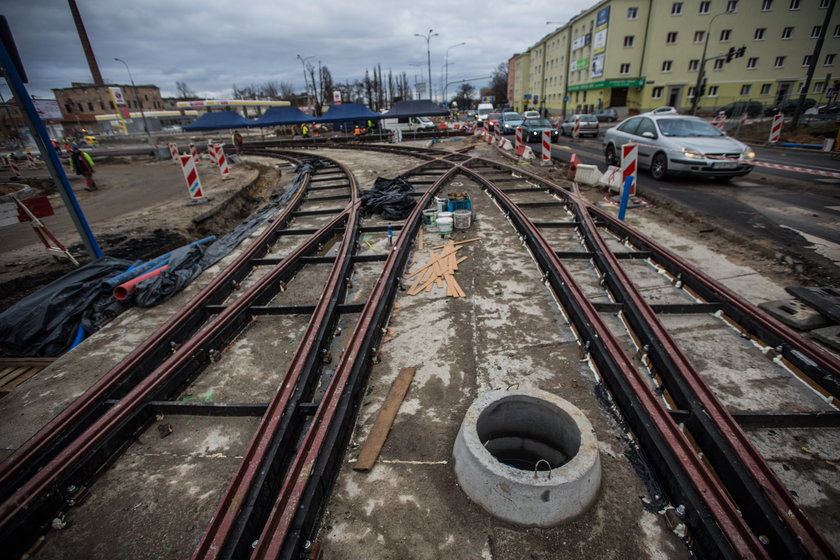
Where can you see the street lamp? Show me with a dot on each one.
(305, 81)
(137, 99)
(447, 68)
(701, 73)
(428, 36)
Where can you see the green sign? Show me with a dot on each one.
(580, 64)
(629, 82)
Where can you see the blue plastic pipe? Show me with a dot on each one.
(80, 336)
(134, 271)
(625, 197)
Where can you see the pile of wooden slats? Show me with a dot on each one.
(439, 269)
(14, 371)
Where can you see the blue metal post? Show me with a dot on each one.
(39, 133)
(625, 197)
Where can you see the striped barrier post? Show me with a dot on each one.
(518, 137)
(223, 166)
(776, 128)
(211, 151)
(629, 159)
(497, 133)
(173, 151)
(33, 163)
(576, 129)
(546, 147)
(15, 168)
(4, 162)
(191, 176)
(193, 152)
(719, 121)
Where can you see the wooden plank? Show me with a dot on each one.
(25, 362)
(21, 379)
(384, 420)
(10, 375)
(458, 242)
(431, 262)
(420, 241)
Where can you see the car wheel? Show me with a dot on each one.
(659, 167)
(610, 155)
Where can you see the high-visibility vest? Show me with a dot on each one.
(357, 131)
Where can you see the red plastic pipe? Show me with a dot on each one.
(122, 291)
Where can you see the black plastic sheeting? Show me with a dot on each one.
(390, 198)
(45, 323)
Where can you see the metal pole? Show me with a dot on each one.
(428, 38)
(39, 133)
(446, 81)
(137, 98)
(701, 73)
(814, 60)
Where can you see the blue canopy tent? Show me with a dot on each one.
(277, 116)
(219, 120)
(423, 108)
(344, 116)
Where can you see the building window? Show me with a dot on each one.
(837, 30)
(90, 106)
(693, 65)
(699, 36)
(780, 62)
(829, 60)
(672, 38)
(676, 8)
(819, 87)
(824, 4)
(632, 13)
(801, 88)
(787, 32)
(732, 6)
(766, 5)
(713, 91)
(704, 7)
(68, 108)
(759, 33)
(666, 65)
(624, 68)
(807, 60)
(752, 63)
(656, 93)
(628, 40)
(745, 89)
(81, 109)
(815, 31)
(101, 105)
(725, 35)
(794, 4)
(690, 93)
(719, 64)
(765, 89)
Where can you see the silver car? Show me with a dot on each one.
(671, 143)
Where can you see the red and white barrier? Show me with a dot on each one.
(518, 137)
(719, 121)
(505, 144)
(211, 151)
(497, 133)
(776, 128)
(629, 164)
(15, 168)
(193, 152)
(576, 129)
(546, 147)
(191, 176)
(525, 152)
(4, 162)
(173, 151)
(222, 161)
(33, 163)
(574, 161)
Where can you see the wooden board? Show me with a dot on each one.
(384, 420)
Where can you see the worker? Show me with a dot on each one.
(370, 126)
(238, 141)
(304, 130)
(82, 164)
(357, 131)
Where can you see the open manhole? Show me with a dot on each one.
(527, 457)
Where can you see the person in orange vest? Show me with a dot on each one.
(82, 164)
(357, 131)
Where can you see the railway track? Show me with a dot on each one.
(304, 275)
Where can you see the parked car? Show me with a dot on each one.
(751, 108)
(788, 107)
(531, 115)
(492, 119)
(532, 130)
(667, 109)
(408, 124)
(679, 144)
(606, 115)
(588, 125)
(509, 121)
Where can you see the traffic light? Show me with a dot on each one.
(702, 89)
(740, 52)
(730, 55)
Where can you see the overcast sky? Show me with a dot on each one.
(213, 44)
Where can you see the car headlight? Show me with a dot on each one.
(748, 153)
(691, 153)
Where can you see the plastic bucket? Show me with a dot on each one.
(462, 219)
(444, 225)
(429, 217)
(444, 215)
(441, 203)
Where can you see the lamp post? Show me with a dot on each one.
(305, 81)
(447, 69)
(428, 36)
(701, 73)
(137, 100)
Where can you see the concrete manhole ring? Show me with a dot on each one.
(527, 457)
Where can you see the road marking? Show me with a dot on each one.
(835, 208)
(562, 147)
(822, 246)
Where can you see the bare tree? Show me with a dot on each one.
(184, 91)
(464, 96)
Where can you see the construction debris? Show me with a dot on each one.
(440, 268)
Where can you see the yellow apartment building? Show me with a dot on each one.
(635, 55)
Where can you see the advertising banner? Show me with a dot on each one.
(599, 39)
(116, 93)
(597, 68)
(47, 108)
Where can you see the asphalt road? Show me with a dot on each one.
(797, 211)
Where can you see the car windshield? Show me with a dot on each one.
(513, 117)
(584, 118)
(494, 116)
(533, 123)
(484, 111)
(686, 127)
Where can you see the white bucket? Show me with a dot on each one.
(444, 225)
(441, 204)
(429, 217)
(462, 219)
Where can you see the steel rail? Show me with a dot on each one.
(31, 506)
(239, 515)
(311, 474)
(716, 524)
(68, 423)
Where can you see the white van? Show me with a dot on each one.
(483, 110)
(408, 124)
